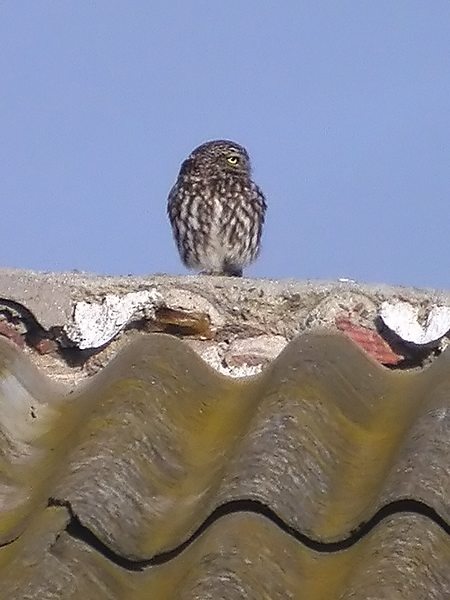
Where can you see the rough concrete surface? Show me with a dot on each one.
(237, 325)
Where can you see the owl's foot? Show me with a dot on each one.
(227, 272)
(233, 272)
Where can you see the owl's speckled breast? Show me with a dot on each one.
(216, 210)
(220, 248)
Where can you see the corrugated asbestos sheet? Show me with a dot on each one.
(326, 477)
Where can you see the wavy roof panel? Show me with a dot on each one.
(326, 476)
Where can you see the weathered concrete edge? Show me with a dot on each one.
(50, 297)
(251, 320)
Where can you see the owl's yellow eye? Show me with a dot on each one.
(233, 160)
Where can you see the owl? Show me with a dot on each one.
(216, 210)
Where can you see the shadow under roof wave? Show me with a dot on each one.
(240, 556)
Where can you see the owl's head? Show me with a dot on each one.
(218, 158)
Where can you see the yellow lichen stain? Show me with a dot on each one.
(367, 453)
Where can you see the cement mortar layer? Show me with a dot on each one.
(248, 311)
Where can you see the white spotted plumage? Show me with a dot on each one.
(216, 210)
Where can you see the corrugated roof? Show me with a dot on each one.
(324, 477)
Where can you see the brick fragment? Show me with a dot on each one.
(46, 346)
(10, 332)
(369, 340)
(254, 351)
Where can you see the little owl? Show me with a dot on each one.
(216, 210)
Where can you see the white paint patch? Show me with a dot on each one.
(403, 319)
(96, 323)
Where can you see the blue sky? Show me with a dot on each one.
(343, 106)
